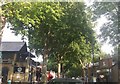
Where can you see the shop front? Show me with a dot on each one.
(15, 62)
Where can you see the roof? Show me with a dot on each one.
(26, 54)
(11, 46)
(22, 56)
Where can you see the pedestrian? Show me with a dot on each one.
(9, 81)
(49, 76)
(38, 74)
(98, 79)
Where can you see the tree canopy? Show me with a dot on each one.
(62, 30)
(110, 30)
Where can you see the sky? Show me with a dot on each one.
(105, 47)
(9, 36)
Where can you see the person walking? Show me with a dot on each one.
(49, 77)
(9, 81)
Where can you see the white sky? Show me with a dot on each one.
(9, 36)
(106, 47)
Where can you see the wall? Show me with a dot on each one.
(115, 73)
(23, 77)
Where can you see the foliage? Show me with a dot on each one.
(61, 30)
(74, 71)
(110, 30)
(38, 21)
(78, 37)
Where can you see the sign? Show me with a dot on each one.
(106, 63)
(19, 69)
(94, 79)
(5, 61)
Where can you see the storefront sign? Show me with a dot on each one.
(19, 69)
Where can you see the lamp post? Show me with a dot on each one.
(118, 45)
(30, 67)
(93, 71)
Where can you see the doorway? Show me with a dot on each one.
(5, 74)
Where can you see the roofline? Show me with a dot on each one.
(9, 51)
(24, 43)
(23, 46)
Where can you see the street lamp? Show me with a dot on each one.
(93, 71)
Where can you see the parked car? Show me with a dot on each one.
(65, 81)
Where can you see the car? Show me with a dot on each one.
(65, 81)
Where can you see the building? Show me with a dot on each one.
(103, 69)
(115, 73)
(15, 61)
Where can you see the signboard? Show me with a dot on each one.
(19, 69)
(106, 63)
(4, 61)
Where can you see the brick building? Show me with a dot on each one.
(106, 69)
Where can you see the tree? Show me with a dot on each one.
(60, 29)
(110, 30)
(37, 21)
(77, 36)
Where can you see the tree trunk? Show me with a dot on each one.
(83, 72)
(44, 67)
(83, 67)
(59, 69)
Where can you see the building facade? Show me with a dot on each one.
(105, 69)
(15, 61)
